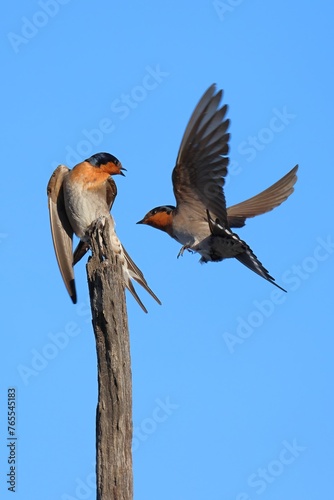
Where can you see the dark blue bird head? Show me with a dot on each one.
(106, 161)
(160, 218)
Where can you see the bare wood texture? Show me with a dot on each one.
(114, 409)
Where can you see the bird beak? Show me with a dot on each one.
(141, 222)
(121, 173)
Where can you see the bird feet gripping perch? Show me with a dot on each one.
(97, 228)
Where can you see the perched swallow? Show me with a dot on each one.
(76, 199)
(200, 221)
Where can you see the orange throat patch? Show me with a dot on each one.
(90, 177)
(162, 221)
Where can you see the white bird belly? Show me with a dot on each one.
(83, 207)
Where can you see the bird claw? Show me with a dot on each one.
(97, 227)
(97, 224)
(181, 252)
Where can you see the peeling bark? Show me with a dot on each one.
(114, 408)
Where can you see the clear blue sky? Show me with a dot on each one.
(232, 384)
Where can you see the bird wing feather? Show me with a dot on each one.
(61, 230)
(137, 275)
(201, 166)
(263, 202)
(247, 257)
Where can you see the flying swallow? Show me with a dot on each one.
(200, 221)
(76, 199)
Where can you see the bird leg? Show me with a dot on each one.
(185, 247)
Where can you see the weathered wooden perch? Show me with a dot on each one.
(114, 408)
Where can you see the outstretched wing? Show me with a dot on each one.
(264, 201)
(61, 230)
(201, 164)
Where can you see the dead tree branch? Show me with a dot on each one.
(114, 408)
